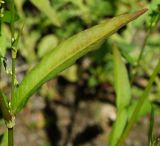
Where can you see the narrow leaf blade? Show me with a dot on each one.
(45, 7)
(118, 127)
(122, 85)
(151, 128)
(4, 141)
(65, 55)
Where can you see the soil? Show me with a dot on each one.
(79, 119)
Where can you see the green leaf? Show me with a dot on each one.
(145, 109)
(122, 85)
(65, 55)
(139, 105)
(46, 42)
(71, 73)
(118, 127)
(123, 96)
(5, 139)
(19, 6)
(151, 128)
(2, 45)
(4, 107)
(45, 7)
(7, 17)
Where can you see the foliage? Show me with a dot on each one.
(53, 32)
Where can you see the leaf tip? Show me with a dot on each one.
(140, 12)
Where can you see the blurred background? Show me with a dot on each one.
(77, 108)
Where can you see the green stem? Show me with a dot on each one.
(141, 53)
(153, 20)
(10, 137)
(0, 26)
(139, 105)
(13, 49)
(12, 19)
(10, 130)
(0, 69)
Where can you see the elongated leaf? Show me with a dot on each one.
(118, 127)
(2, 45)
(46, 42)
(4, 141)
(65, 55)
(45, 7)
(123, 96)
(145, 109)
(151, 128)
(122, 85)
(139, 105)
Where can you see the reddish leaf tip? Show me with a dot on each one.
(140, 12)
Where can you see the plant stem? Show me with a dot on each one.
(10, 137)
(12, 20)
(141, 53)
(153, 20)
(13, 77)
(10, 130)
(0, 24)
(0, 70)
(12, 43)
(13, 49)
(139, 105)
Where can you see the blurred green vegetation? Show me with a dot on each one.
(47, 23)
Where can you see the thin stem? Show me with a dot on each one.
(139, 105)
(0, 26)
(141, 53)
(143, 47)
(153, 20)
(13, 77)
(0, 69)
(10, 130)
(10, 137)
(12, 19)
(13, 49)
(12, 43)
(1, 15)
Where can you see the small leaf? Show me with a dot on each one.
(5, 139)
(4, 107)
(7, 17)
(151, 128)
(65, 55)
(71, 73)
(45, 45)
(19, 6)
(45, 7)
(118, 127)
(145, 109)
(122, 85)
(2, 45)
